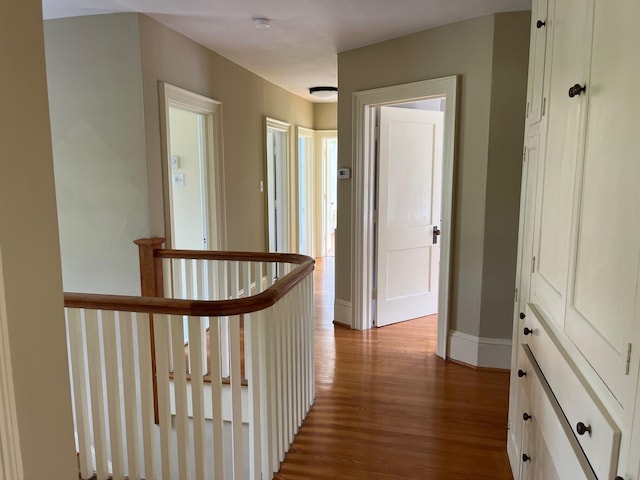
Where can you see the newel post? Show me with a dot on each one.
(151, 285)
(151, 280)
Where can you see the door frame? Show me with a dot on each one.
(288, 207)
(363, 227)
(172, 96)
(309, 134)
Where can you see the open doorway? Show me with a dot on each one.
(366, 176)
(306, 191)
(193, 170)
(326, 175)
(278, 186)
(407, 220)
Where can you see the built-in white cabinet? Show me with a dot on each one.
(537, 51)
(577, 309)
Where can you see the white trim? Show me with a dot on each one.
(10, 455)
(479, 351)
(362, 234)
(310, 188)
(342, 312)
(172, 96)
(321, 181)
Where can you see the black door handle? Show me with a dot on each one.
(436, 233)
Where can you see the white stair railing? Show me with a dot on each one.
(233, 362)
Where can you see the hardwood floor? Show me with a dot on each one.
(387, 408)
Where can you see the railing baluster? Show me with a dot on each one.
(161, 331)
(97, 392)
(197, 396)
(253, 369)
(143, 337)
(224, 321)
(288, 375)
(216, 397)
(236, 398)
(113, 394)
(280, 397)
(130, 397)
(272, 386)
(80, 394)
(180, 393)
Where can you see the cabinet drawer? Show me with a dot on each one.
(555, 452)
(577, 401)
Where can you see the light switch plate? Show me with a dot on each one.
(177, 179)
(175, 161)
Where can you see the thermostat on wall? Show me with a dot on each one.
(344, 173)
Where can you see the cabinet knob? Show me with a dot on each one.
(522, 316)
(521, 373)
(527, 331)
(540, 24)
(618, 478)
(526, 416)
(525, 457)
(581, 428)
(576, 90)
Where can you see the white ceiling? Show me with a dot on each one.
(300, 49)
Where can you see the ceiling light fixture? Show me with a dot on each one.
(261, 23)
(323, 92)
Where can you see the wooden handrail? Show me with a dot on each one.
(202, 308)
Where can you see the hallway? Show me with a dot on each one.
(387, 408)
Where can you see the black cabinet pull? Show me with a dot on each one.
(522, 316)
(525, 457)
(526, 416)
(619, 478)
(527, 331)
(540, 24)
(577, 89)
(581, 428)
(521, 373)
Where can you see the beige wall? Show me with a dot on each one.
(506, 133)
(31, 303)
(97, 126)
(325, 116)
(465, 49)
(246, 99)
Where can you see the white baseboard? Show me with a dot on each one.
(480, 352)
(342, 312)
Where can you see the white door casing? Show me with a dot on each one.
(213, 178)
(362, 235)
(278, 170)
(306, 191)
(409, 197)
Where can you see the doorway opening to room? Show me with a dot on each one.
(403, 183)
(279, 232)
(193, 170)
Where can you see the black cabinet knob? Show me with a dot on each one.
(576, 90)
(527, 331)
(618, 478)
(521, 373)
(525, 457)
(522, 316)
(526, 416)
(540, 24)
(581, 428)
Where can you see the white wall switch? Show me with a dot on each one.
(175, 161)
(177, 179)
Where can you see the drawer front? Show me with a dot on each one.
(555, 452)
(600, 438)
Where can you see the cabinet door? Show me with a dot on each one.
(558, 171)
(604, 302)
(537, 51)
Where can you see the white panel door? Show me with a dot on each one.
(604, 298)
(409, 196)
(558, 170)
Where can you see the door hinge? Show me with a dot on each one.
(375, 216)
(544, 106)
(628, 364)
(516, 296)
(376, 133)
(524, 155)
(527, 114)
(374, 294)
(533, 264)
